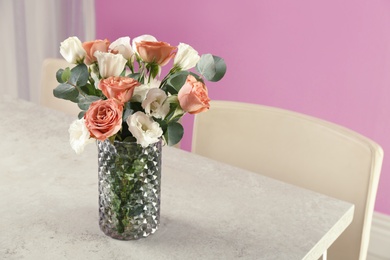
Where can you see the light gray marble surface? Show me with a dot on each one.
(49, 203)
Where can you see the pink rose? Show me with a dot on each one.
(155, 52)
(193, 96)
(104, 118)
(91, 47)
(119, 88)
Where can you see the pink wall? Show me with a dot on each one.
(329, 58)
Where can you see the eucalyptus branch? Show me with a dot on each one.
(78, 89)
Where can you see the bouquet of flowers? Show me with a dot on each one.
(121, 94)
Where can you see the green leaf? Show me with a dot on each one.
(85, 101)
(175, 111)
(124, 132)
(177, 80)
(135, 76)
(59, 76)
(174, 133)
(79, 75)
(220, 67)
(90, 89)
(66, 74)
(213, 68)
(66, 91)
(154, 70)
(136, 106)
(169, 89)
(127, 111)
(129, 139)
(63, 75)
(163, 124)
(81, 114)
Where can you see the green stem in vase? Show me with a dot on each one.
(129, 188)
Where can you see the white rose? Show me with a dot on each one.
(154, 103)
(144, 129)
(145, 37)
(140, 92)
(79, 135)
(72, 50)
(110, 64)
(122, 46)
(186, 57)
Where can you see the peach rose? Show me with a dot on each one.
(92, 46)
(119, 88)
(155, 52)
(193, 96)
(104, 118)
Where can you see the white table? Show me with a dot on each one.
(49, 203)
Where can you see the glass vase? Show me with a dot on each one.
(129, 189)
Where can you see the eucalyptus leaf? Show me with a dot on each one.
(163, 124)
(79, 75)
(66, 91)
(174, 133)
(213, 68)
(85, 101)
(81, 114)
(169, 89)
(177, 80)
(90, 89)
(205, 61)
(220, 69)
(127, 112)
(63, 75)
(59, 76)
(66, 75)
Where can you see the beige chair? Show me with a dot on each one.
(49, 82)
(301, 150)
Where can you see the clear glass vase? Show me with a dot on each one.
(129, 189)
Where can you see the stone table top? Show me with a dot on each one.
(209, 210)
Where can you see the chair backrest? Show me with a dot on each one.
(49, 82)
(301, 150)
